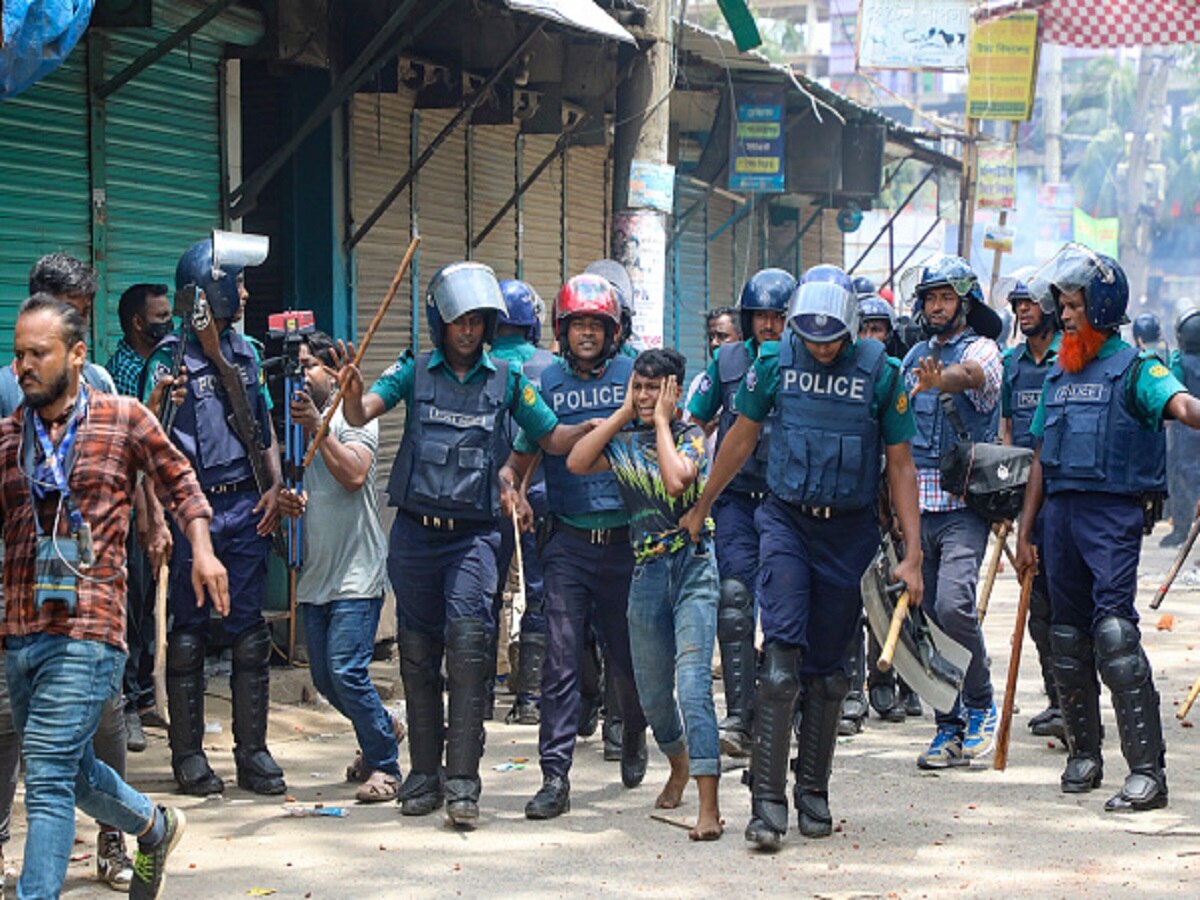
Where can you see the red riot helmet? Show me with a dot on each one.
(588, 295)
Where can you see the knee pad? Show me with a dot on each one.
(1123, 663)
(252, 648)
(779, 679)
(735, 614)
(829, 688)
(420, 655)
(469, 648)
(185, 653)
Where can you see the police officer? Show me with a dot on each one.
(958, 359)
(628, 344)
(442, 552)
(1025, 368)
(761, 309)
(586, 555)
(819, 530)
(1147, 335)
(1100, 463)
(243, 522)
(518, 331)
(1183, 447)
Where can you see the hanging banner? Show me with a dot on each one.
(999, 238)
(1055, 218)
(756, 145)
(640, 245)
(996, 184)
(921, 35)
(1003, 67)
(1100, 235)
(651, 186)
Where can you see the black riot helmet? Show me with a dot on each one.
(1187, 331)
(1147, 329)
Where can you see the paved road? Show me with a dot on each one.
(903, 833)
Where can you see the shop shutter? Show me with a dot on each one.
(586, 207)
(493, 179)
(442, 199)
(689, 281)
(43, 180)
(380, 129)
(823, 242)
(164, 157)
(721, 290)
(542, 218)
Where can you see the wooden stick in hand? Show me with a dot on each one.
(1004, 730)
(362, 348)
(1191, 698)
(899, 614)
(1180, 558)
(160, 641)
(993, 567)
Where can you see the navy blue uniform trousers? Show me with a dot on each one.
(737, 538)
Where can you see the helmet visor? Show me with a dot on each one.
(823, 311)
(1071, 269)
(465, 287)
(936, 271)
(1014, 287)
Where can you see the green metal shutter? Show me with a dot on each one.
(43, 181)
(163, 159)
(689, 280)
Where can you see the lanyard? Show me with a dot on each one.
(56, 460)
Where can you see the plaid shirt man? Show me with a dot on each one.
(126, 366)
(118, 436)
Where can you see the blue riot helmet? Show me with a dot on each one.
(864, 286)
(1014, 289)
(769, 289)
(1147, 329)
(617, 276)
(1099, 278)
(873, 308)
(824, 307)
(1187, 331)
(214, 264)
(956, 273)
(524, 308)
(459, 288)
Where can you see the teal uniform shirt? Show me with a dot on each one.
(756, 396)
(514, 349)
(1012, 356)
(706, 401)
(1154, 387)
(163, 359)
(1176, 365)
(520, 397)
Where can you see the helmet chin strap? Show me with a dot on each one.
(1045, 326)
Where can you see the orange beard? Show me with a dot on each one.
(1080, 348)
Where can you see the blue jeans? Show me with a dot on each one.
(341, 640)
(59, 686)
(672, 625)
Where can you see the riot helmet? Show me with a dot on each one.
(864, 286)
(1014, 289)
(767, 289)
(956, 273)
(214, 264)
(523, 308)
(1147, 329)
(1187, 331)
(873, 308)
(1099, 278)
(588, 295)
(618, 277)
(824, 307)
(459, 288)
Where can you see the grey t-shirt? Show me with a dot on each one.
(345, 554)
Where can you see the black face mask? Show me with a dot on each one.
(156, 331)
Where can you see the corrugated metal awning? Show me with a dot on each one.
(583, 15)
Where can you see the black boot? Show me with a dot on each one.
(591, 690)
(735, 638)
(1126, 671)
(776, 697)
(909, 701)
(489, 697)
(250, 682)
(854, 707)
(467, 658)
(185, 701)
(823, 704)
(552, 800)
(613, 729)
(1048, 722)
(421, 672)
(1079, 700)
(529, 679)
(881, 687)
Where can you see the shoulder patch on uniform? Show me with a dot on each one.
(1158, 370)
(704, 385)
(902, 402)
(751, 378)
(528, 395)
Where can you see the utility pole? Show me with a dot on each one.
(1052, 111)
(1134, 237)
(639, 238)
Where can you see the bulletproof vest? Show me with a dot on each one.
(454, 444)
(202, 428)
(573, 400)
(827, 443)
(532, 369)
(733, 361)
(934, 434)
(1092, 441)
(1024, 379)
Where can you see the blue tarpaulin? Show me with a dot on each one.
(38, 36)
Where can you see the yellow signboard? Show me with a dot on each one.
(1003, 68)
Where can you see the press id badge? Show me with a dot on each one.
(53, 577)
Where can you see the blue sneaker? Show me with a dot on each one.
(945, 751)
(980, 739)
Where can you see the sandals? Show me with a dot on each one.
(378, 788)
(357, 770)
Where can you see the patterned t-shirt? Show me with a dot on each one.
(654, 514)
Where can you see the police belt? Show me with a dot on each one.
(755, 496)
(233, 487)
(602, 537)
(828, 512)
(445, 523)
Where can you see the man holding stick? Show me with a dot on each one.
(1100, 466)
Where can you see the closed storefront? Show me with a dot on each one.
(689, 276)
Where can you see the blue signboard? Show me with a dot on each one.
(756, 145)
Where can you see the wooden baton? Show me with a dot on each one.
(362, 348)
(899, 614)
(1004, 730)
(160, 641)
(993, 567)
(1191, 698)
(1180, 558)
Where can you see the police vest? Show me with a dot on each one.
(201, 428)
(573, 400)
(454, 444)
(934, 434)
(732, 364)
(532, 369)
(1092, 441)
(1024, 379)
(827, 445)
